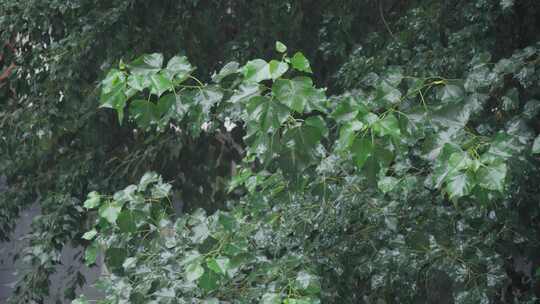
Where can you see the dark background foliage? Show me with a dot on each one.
(57, 145)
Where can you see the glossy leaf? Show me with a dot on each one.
(256, 71)
(92, 201)
(277, 69)
(160, 84)
(90, 254)
(146, 64)
(536, 145)
(298, 94)
(143, 112)
(219, 265)
(228, 69)
(245, 92)
(270, 298)
(388, 125)
(193, 272)
(280, 47)
(179, 67)
(89, 235)
(268, 114)
(492, 177)
(110, 211)
(300, 63)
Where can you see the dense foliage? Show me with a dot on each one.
(412, 179)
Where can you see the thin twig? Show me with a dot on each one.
(384, 21)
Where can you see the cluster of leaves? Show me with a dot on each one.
(402, 164)
(158, 95)
(152, 258)
(407, 187)
(53, 139)
(495, 66)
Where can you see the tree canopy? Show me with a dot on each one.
(289, 152)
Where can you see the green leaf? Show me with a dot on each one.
(245, 92)
(347, 135)
(458, 185)
(492, 177)
(90, 254)
(227, 221)
(369, 118)
(263, 145)
(92, 200)
(113, 93)
(165, 105)
(280, 47)
(506, 4)
(510, 100)
(146, 64)
(193, 272)
(127, 194)
(143, 112)
(454, 115)
(228, 69)
(442, 167)
(114, 258)
(458, 161)
(209, 281)
(503, 146)
(219, 265)
(298, 93)
(81, 300)
(318, 123)
(393, 75)
(191, 257)
(300, 63)
(415, 86)
(386, 94)
(299, 147)
(362, 149)
(110, 211)
(112, 81)
(208, 96)
(89, 235)
(115, 100)
(303, 300)
(271, 298)
(387, 183)
(179, 67)
(536, 145)
(345, 111)
(126, 221)
(452, 93)
(147, 179)
(200, 233)
(138, 82)
(161, 190)
(389, 125)
(129, 263)
(277, 68)
(256, 71)
(160, 84)
(531, 109)
(268, 114)
(450, 166)
(308, 283)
